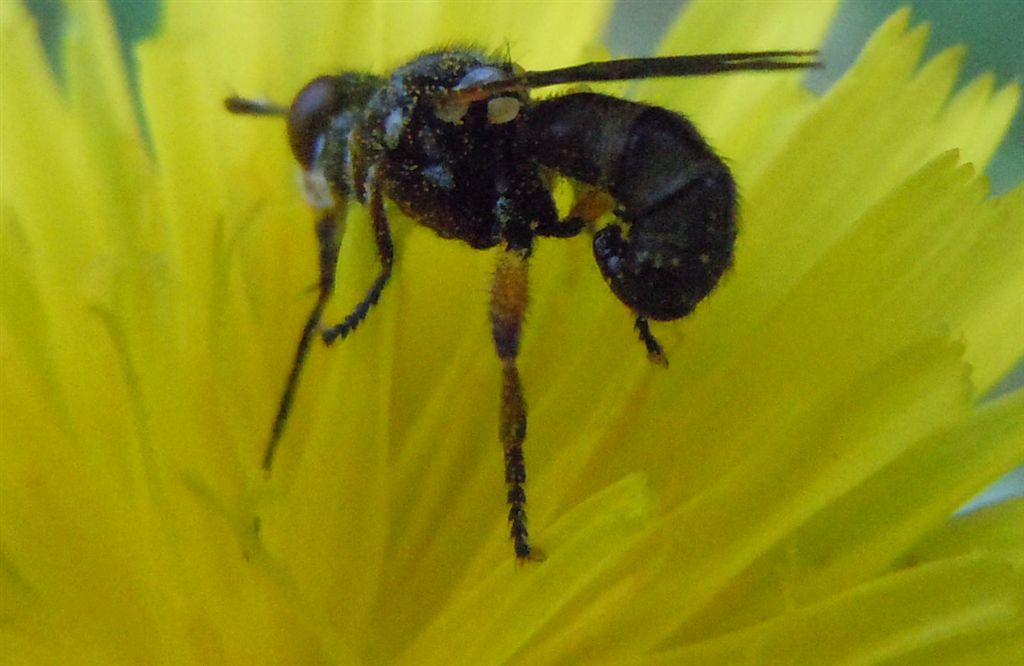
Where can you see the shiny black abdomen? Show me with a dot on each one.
(676, 229)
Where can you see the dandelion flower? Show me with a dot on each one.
(782, 494)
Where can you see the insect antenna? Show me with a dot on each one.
(253, 107)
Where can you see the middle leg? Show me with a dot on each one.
(508, 306)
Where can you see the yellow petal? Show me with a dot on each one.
(962, 610)
(995, 530)
(788, 478)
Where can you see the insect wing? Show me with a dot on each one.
(645, 68)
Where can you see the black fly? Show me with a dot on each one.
(454, 139)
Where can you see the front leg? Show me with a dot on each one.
(328, 232)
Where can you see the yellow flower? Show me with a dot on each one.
(782, 494)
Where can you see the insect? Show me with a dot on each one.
(454, 139)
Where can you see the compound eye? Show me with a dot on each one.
(310, 115)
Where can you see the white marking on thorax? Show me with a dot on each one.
(317, 189)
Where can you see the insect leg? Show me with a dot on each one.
(654, 351)
(508, 305)
(328, 231)
(590, 205)
(567, 228)
(386, 252)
